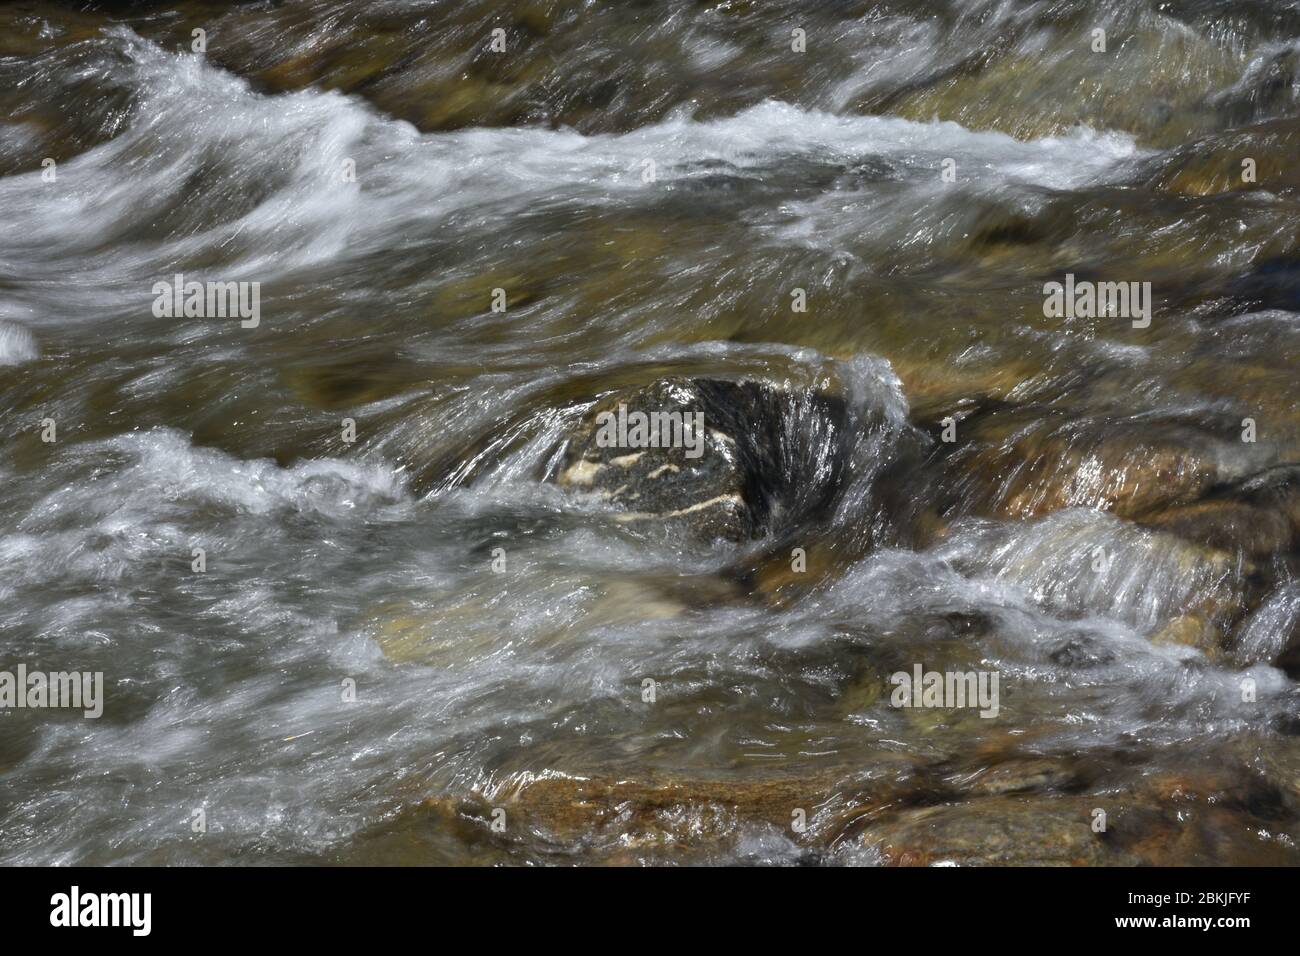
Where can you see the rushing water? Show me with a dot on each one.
(1100, 535)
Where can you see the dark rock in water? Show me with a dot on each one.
(1265, 90)
(1081, 649)
(722, 460)
(1289, 659)
(1272, 284)
(1276, 489)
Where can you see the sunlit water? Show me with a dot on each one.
(332, 565)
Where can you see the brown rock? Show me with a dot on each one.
(999, 831)
(679, 813)
(1022, 462)
(1213, 164)
(1191, 630)
(1227, 524)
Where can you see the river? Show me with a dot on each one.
(345, 613)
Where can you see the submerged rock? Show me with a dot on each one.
(76, 109)
(1021, 462)
(697, 479)
(1218, 163)
(718, 459)
(570, 810)
(1006, 831)
(682, 817)
(1017, 775)
(1190, 630)
(1169, 822)
(1049, 82)
(1229, 525)
(1272, 632)
(1085, 562)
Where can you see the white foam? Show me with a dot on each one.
(272, 197)
(1270, 626)
(1085, 561)
(134, 511)
(17, 345)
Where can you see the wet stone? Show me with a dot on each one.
(1000, 831)
(721, 460)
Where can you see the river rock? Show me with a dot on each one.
(1276, 489)
(1020, 775)
(684, 818)
(1082, 562)
(1022, 462)
(1227, 524)
(998, 831)
(1272, 632)
(1191, 630)
(742, 458)
(1214, 164)
(1047, 88)
(1167, 824)
(76, 111)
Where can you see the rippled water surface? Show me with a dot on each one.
(1100, 533)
